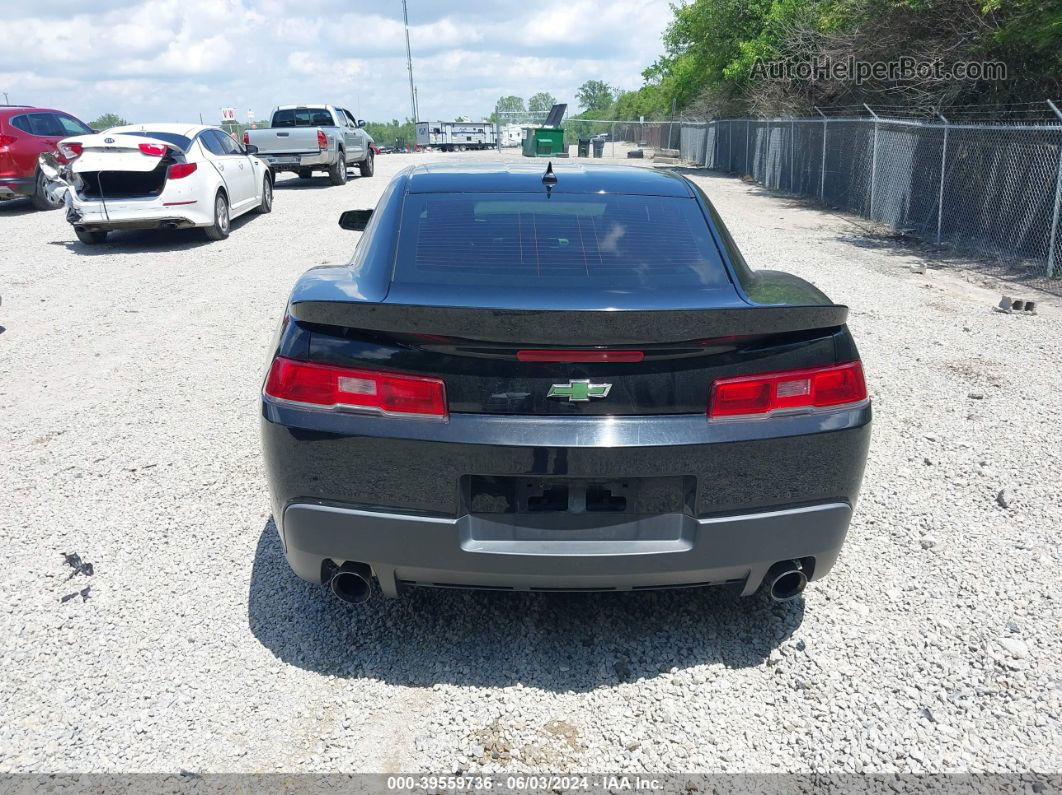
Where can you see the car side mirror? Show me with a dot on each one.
(251, 149)
(355, 220)
(360, 123)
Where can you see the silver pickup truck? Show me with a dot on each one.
(308, 138)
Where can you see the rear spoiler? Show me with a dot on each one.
(570, 327)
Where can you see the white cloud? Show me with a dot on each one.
(175, 59)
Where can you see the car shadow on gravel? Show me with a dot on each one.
(553, 641)
(12, 207)
(315, 182)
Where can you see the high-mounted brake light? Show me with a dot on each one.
(328, 387)
(322, 140)
(180, 170)
(792, 390)
(153, 150)
(542, 355)
(71, 150)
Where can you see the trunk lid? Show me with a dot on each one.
(117, 152)
(541, 362)
(113, 165)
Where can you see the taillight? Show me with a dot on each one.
(180, 170)
(7, 140)
(70, 150)
(541, 355)
(792, 390)
(324, 386)
(153, 150)
(322, 140)
(246, 138)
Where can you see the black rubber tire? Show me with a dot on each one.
(219, 230)
(367, 166)
(267, 197)
(337, 174)
(91, 237)
(304, 173)
(40, 194)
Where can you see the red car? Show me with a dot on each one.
(25, 133)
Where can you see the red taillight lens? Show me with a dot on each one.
(537, 355)
(180, 170)
(322, 140)
(330, 387)
(153, 150)
(761, 395)
(7, 140)
(71, 150)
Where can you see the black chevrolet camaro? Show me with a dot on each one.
(559, 380)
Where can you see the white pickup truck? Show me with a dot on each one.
(308, 138)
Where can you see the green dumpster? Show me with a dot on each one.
(544, 142)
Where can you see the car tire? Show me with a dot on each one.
(219, 230)
(337, 174)
(367, 166)
(90, 237)
(304, 173)
(40, 194)
(267, 197)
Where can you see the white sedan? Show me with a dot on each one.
(172, 176)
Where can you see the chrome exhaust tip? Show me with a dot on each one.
(786, 580)
(352, 582)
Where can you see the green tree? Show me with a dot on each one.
(541, 102)
(106, 121)
(595, 95)
(506, 108)
(392, 133)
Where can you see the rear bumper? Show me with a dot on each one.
(390, 492)
(667, 551)
(283, 162)
(15, 187)
(137, 214)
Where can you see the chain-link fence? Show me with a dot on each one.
(993, 190)
(650, 134)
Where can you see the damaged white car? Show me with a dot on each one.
(170, 176)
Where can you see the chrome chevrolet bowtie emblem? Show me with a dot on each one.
(579, 391)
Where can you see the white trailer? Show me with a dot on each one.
(451, 136)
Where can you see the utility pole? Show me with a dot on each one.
(409, 64)
(6, 101)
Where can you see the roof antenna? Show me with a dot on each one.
(549, 179)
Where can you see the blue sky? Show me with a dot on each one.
(170, 60)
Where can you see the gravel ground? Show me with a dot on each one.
(128, 380)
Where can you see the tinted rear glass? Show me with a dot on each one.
(39, 124)
(574, 240)
(170, 138)
(302, 117)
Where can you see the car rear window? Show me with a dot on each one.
(170, 138)
(517, 240)
(302, 117)
(50, 124)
